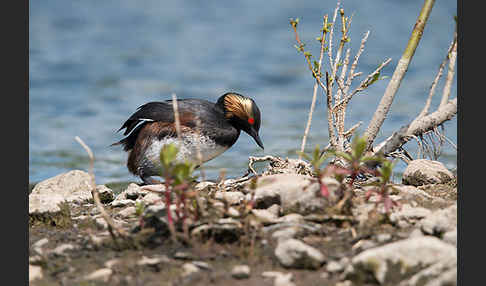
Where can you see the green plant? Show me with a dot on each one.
(382, 187)
(346, 169)
(178, 177)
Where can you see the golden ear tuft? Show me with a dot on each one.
(239, 106)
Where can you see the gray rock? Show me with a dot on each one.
(440, 221)
(409, 214)
(73, 186)
(409, 192)
(295, 193)
(393, 262)
(35, 272)
(240, 272)
(106, 194)
(286, 233)
(422, 172)
(102, 274)
(293, 253)
(132, 192)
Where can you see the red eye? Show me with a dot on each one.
(251, 120)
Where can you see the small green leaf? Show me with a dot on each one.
(358, 147)
(168, 154)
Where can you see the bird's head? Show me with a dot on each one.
(243, 113)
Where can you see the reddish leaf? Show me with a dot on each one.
(324, 191)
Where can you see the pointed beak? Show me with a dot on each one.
(255, 136)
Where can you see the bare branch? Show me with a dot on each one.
(402, 66)
(450, 73)
(437, 77)
(363, 85)
(418, 127)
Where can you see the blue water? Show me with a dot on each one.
(92, 63)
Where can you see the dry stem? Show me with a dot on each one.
(96, 196)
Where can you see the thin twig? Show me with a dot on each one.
(363, 85)
(96, 196)
(176, 116)
(318, 81)
(450, 73)
(425, 110)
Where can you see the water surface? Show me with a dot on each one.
(92, 63)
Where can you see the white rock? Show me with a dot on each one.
(202, 185)
(240, 271)
(286, 233)
(440, 221)
(35, 272)
(280, 279)
(127, 212)
(293, 217)
(232, 212)
(334, 266)
(202, 265)
(40, 204)
(112, 262)
(451, 237)
(294, 253)
(122, 203)
(152, 261)
(62, 248)
(73, 186)
(383, 237)
(264, 216)
(40, 243)
(232, 198)
(274, 209)
(409, 214)
(188, 269)
(151, 199)
(422, 172)
(102, 274)
(295, 193)
(440, 273)
(405, 258)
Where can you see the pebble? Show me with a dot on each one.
(240, 272)
(102, 274)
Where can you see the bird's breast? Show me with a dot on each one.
(188, 148)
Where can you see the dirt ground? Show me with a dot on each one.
(335, 239)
